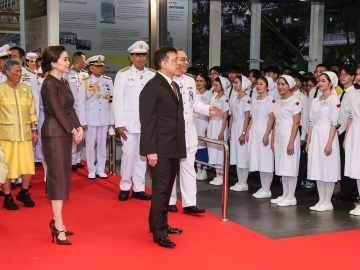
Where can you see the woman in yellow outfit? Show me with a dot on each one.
(18, 132)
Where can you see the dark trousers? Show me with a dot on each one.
(348, 185)
(302, 164)
(163, 176)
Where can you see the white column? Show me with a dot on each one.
(53, 22)
(255, 35)
(215, 33)
(22, 24)
(152, 32)
(316, 35)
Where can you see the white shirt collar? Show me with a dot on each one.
(166, 77)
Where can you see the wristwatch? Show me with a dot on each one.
(243, 133)
(34, 129)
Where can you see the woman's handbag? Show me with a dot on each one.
(4, 167)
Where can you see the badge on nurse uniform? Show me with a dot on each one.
(325, 103)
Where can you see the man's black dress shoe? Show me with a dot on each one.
(74, 167)
(123, 195)
(165, 242)
(172, 208)
(141, 195)
(81, 166)
(193, 210)
(38, 164)
(172, 230)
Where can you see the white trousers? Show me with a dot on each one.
(132, 164)
(96, 135)
(76, 156)
(187, 180)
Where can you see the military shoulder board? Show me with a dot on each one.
(85, 76)
(84, 70)
(30, 70)
(124, 69)
(151, 69)
(190, 75)
(107, 77)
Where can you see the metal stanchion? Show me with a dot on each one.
(225, 169)
(225, 188)
(112, 155)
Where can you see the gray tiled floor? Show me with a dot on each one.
(273, 221)
(268, 219)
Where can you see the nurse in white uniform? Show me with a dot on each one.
(322, 148)
(203, 83)
(285, 140)
(261, 157)
(239, 120)
(352, 142)
(218, 127)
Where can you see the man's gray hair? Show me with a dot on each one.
(181, 50)
(9, 64)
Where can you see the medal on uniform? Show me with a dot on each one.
(98, 92)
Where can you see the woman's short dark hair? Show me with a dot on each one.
(207, 80)
(255, 73)
(50, 55)
(162, 54)
(239, 77)
(351, 70)
(265, 80)
(313, 80)
(9, 64)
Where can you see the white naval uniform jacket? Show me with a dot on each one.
(192, 103)
(94, 101)
(129, 82)
(74, 79)
(28, 77)
(3, 77)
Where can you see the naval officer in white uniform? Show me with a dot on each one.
(192, 103)
(75, 77)
(4, 55)
(95, 115)
(129, 82)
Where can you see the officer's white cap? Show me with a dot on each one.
(31, 56)
(4, 51)
(96, 60)
(139, 47)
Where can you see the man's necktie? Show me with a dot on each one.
(173, 84)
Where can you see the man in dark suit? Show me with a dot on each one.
(162, 139)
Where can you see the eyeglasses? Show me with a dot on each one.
(183, 59)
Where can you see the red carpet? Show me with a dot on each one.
(110, 234)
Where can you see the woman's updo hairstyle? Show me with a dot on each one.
(50, 55)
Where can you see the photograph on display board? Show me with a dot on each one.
(11, 39)
(82, 44)
(9, 15)
(107, 11)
